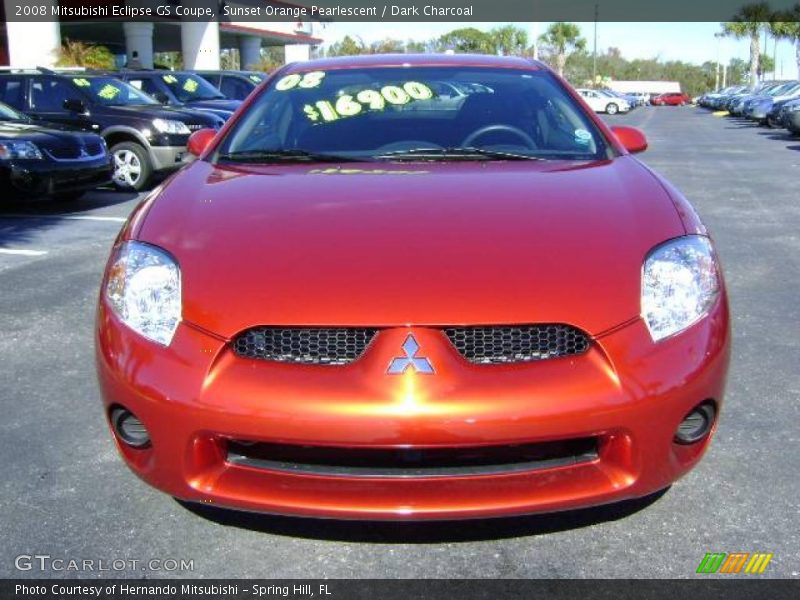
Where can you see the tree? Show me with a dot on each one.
(79, 54)
(562, 39)
(467, 39)
(787, 26)
(387, 46)
(749, 22)
(348, 46)
(509, 40)
(272, 58)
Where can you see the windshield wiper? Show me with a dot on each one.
(257, 156)
(456, 153)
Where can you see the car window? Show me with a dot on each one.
(235, 88)
(146, 85)
(49, 95)
(187, 87)
(365, 113)
(12, 91)
(110, 91)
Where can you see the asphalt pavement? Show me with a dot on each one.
(66, 494)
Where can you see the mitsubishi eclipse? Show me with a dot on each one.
(375, 297)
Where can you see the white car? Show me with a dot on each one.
(602, 103)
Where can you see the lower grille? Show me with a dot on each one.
(411, 462)
(313, 346)
(490, 345)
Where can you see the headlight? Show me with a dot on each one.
(170, 126)
(12, 149)
(680, 282)
(144, 288)
(793, 107)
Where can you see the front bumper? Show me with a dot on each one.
(26, 178)
(168, 158)
(626, 392)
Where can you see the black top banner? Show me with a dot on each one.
(376, 11)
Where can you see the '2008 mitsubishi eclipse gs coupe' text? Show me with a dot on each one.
(369, 299)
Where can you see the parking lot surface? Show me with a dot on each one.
(65, 493)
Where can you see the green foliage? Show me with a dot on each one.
(749, 22)
(272, 58)
(80, 54)
(171, 60)
(347, 46)
(467, 40)
(559, 41)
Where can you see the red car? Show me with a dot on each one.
(374, 298)
(672, 99)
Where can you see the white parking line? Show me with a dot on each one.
(22, 252)
(67, 217)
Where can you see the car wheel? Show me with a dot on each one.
(612, 108)
(772, 123)
(132, 168)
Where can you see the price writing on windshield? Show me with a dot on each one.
(350, 105)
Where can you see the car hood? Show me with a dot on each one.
(221, 104)
(147, 112)
(422, 243)
(49, 136)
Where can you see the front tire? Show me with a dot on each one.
(612, 108)
(132, 166)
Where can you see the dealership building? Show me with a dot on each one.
(35, 43)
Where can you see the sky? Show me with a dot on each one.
(690, 42)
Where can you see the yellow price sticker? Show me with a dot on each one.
(109, 92)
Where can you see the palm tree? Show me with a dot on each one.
(562, 39)
(749, 22)
(787, 26)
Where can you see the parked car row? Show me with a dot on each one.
(606, 101)
(65, 132)
(774, 103)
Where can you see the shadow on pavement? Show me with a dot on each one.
(421, 532)
(20, 219)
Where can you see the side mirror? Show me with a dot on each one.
(74, 105)
(161, 97)
(631, 138)
(200, 140)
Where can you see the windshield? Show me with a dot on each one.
(9, 114)
(111, 92)
(784, 89)
(187, 87)
(414, 113)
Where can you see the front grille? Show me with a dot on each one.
(411, 462)
(523, 343)
(90, 150)
(311, 346)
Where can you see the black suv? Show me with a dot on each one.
(235, 85)
(144, 137)
(38, 161)
(180, 88)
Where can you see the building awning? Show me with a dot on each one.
(269, 35)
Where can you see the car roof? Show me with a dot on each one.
(416, 60)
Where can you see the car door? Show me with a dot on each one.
(46, 98)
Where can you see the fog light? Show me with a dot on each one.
(129, 428)
(696, 425)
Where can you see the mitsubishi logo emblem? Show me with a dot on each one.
(420, 364)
